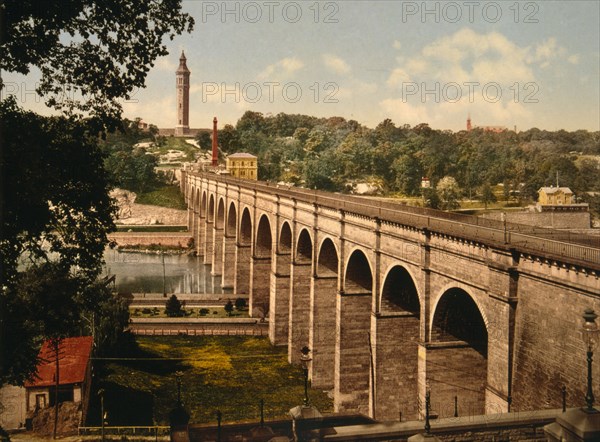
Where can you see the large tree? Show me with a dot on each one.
(54, 202)
(90, 53)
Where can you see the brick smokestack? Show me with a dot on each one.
(215, 151)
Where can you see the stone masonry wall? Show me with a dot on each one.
(299, 310)
(322, 334)
(455, 370)
(174, 239)
(352, 360)
(549, 352)
(396, 366)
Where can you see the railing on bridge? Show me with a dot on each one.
(529, 239)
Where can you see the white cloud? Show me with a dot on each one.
(469, 56)
(166, 64)
(405, 113)
(573, 59)
(397, 77)
(397, 45)
(335, 64)
(281, 69)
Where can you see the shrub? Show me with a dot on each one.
(229, 307)
(240, 303)
(173, 307)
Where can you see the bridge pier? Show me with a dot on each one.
(395, 354)
(243, 255)
(260, 283)
(323, 294)
(199, 229)
(454, 369)
(299, 296)
(208, 242)
(217, 253)
(191, 219)
(279, 316)
(352, 359)
(228, 262)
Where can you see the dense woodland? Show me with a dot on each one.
(334, 153)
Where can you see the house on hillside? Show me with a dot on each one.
(242, 165)
(75, 375)
(555, 196)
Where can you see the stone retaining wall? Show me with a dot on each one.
(171, 239)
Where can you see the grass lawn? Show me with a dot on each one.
(226, 373)
(166, 196)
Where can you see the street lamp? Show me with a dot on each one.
(305, 360)
(590, 335)
(101, 394)
(178, 375)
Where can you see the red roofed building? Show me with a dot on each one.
(74, 374)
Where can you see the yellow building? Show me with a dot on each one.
(555, 196)
(242, 165)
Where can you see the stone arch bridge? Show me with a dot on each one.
(394, 299)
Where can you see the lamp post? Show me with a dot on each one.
(178, 375)
(590, 335)
(305, 360)
(101, 393)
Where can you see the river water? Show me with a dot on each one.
(143, 273)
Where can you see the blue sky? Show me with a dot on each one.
(508, 63)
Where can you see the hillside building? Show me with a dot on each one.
(242, 165)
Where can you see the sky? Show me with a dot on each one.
(509, 63)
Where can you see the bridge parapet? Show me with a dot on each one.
(578, 249)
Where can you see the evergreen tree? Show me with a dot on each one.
(173, 308)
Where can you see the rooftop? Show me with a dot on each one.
(74, 354)
(555, 189)
(241, 155)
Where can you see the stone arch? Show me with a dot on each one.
(211, 209)
(231, 228)
(358, 276)
(397, 334)
(467, 290)
(264, 240)
(457, 364)
(322, 324)
(352, 392)
(399, 292)
(220, 220)
(327, 261)
(279, 317)
(285, 238)
(203, 203)
(304, 247)
(246, 228)
(457, 317)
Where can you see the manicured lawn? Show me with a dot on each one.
(166, 196)
(226, 373)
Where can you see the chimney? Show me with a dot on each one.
(215, 152)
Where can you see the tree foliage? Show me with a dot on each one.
(54, 204)
(173, 307)
(334, 153)
(112, 46)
